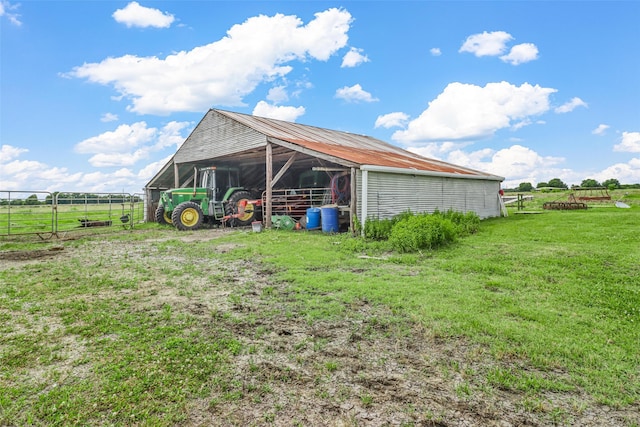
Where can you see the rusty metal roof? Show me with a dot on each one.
(358, 149)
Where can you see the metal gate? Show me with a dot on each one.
(52, 214)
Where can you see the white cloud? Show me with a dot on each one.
(8, 10)
(600, 130)
(354, 93)
(439, 151)
(354, 58)
(487, 44)
(626, 173)
(222, 72)
(172, 135)
(118, 181)
(522, 164)
(495, 44)
(103, 160)
(118, 141)
(109, 117)
(630, 143)
(25, 175)
(515, 161)
(521, 53)
(435, 51)
(390, 120)
(129, 144)
(8, 153)
(31, 175)
(571, 105)
(134, 15)
(466, 111)
(278, 94)
(288, 114)
(146, 173)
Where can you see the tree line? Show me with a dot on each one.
(71, 199)
(609, 184)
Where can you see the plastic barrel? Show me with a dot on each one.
(313, 218)
(329, 219)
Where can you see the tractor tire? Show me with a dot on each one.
(242, 213)
(187, 216)
(162, 217)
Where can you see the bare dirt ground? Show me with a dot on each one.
(355, 371)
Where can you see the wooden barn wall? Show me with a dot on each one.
(390, 194)
(216, 136)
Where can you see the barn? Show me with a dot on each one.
(292, 167)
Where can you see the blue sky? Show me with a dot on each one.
(97, 95)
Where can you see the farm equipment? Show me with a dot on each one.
(570, 204)
(218, 199)
(592, 194)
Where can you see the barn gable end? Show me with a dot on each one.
(217, 136)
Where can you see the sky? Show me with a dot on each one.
(96, 96)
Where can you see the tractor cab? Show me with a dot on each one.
(218, 180)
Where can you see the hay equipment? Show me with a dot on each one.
(592, 194)
(570, 204)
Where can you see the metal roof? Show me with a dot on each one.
(354, 148)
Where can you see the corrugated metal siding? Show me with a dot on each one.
(390, 194)
(217, 136)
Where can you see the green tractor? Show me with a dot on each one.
(218, 199)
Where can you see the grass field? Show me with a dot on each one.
(531, 321)
(47, 220)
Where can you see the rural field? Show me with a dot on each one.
(534, 320)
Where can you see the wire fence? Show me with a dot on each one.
(56, 214)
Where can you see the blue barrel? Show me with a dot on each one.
(329, 219)
(313, 218)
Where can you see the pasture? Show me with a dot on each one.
(531, 321)
(67, 213)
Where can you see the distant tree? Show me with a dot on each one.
(542, 184)
(524, 187)
(32, 200)
(590, 183)
(557, 183)
(611, 184)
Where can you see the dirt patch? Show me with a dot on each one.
(31, 255)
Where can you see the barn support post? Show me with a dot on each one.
(365, 197)
(353, 204)
(176, 176)
(269, 179)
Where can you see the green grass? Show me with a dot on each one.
(541, 304)
(558, 293)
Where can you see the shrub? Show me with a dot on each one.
(380, 229)
(465, 223)
(415, 233)
(408, 232)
